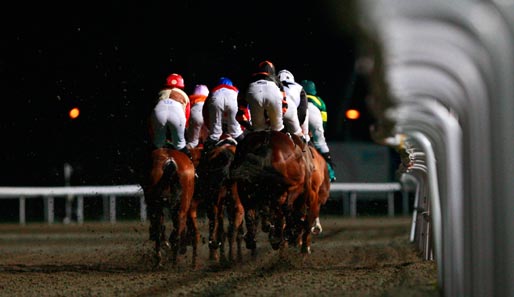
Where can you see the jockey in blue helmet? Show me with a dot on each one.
(221, 107)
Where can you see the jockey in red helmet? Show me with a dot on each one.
(170, 114)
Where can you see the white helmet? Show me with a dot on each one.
(285, 75)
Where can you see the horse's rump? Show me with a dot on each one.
(320, 177)
(171, 187)
(268, 158)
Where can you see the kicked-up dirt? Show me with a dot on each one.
(351, 257)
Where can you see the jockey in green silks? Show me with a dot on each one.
(317, 115)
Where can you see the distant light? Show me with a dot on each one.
(74, 113)
(352, 114)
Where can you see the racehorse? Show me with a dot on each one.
(215, 188)
(316, 195)
(170, 189)
(271, 172)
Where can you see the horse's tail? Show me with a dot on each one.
(256, 168)
(170, 176)
(215, 172)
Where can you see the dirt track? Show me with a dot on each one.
(352, 257)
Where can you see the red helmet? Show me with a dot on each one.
(175, 81)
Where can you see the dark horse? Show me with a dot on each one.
(171, 187)
(272, 174)
(216, 189)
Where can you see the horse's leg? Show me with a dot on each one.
(276, 233)
(181, 230)
(212, 215)
(220, 234)
(265, 220)
(174, 238)
(156, 230)
(316, 227)
(312, 224)
(236, 215)
(231, 229)
(239, 240)
(251, 230)
(194, 232)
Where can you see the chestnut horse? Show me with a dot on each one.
(272, 172)
(215, 188)
(316, 195)
(170, 189)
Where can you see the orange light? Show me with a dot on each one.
(352, 114)
(74, 113)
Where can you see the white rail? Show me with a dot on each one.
(110, 193)
(350, 205)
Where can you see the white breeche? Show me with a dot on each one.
(194, 129)
(168, 114)
(291, 118)
(316, 128)
(223, 107)
(265, 96)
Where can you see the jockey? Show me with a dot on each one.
(317, 123)
(196, 130)
(297, 105)
(222, 105)
(170, 114)
(265, 95)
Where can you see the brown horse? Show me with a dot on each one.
(170, 188)
(317, 193)
(271, 172)
(216, 189)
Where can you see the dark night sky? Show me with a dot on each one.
(110, 61)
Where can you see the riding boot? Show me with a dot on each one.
(330, 166)
(240, 138)
(208, 145)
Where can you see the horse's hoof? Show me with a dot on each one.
(213, 245)
(316, 230)
(306, 250)
(251, 244)
(275, 246)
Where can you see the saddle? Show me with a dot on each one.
(224, 141)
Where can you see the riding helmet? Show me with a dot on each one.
(266, 66)
(175, 81)
(225, 81)
(201, 90)
(286, 75)
(309, 87)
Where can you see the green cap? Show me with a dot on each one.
(309, 86)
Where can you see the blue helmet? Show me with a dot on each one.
(225, 81)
